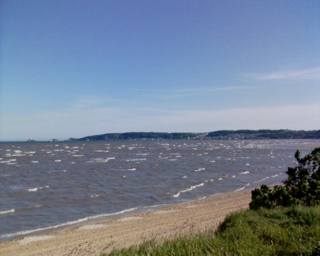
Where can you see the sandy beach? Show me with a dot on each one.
(93, 238)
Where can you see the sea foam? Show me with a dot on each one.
(188, 189)
(8, 211)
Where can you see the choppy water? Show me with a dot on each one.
(50, 185)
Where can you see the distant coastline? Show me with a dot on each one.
(216, 135)
(280, 134)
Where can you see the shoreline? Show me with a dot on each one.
(95, 236)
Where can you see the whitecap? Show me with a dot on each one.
(261, 180)
(101, 160)
(36, 189)
(242, 188)
(58, 161)
(245, 172)
(8, 211)
(32, 189)
(98, 217)
(200, 169)
(101, 151)
(188, 189)
(135, 160)
(8, 161)
(18, 154)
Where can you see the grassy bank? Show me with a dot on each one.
(280, 231)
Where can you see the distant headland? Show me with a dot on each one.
(216, 135)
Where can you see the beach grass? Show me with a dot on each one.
(281, 231)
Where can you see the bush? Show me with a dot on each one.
(301, 187)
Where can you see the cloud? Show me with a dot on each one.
(300, 74)
(198, 91)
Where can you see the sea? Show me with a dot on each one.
(50, 185)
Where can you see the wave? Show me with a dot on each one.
(8, 211)
(69, 223)
(127, 170)
(36, 189)
(134, 160)
(246, 172)
(200, 169)
(101, 160)
(261, 179)
(189, 189)
(9, 161)
(142, 154)
(242, 188)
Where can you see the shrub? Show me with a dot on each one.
(301, 187)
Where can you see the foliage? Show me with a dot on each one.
(223, 134)
(142, 135)
(281, 231)
(301, 187)
(264, 134)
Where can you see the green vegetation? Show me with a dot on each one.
(217, 135)
(280, 231)
(281, 221)
(264, 134)
(142, 135)
(302, 187)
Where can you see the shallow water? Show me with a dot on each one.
(51, 185)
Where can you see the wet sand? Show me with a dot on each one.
(94, 238)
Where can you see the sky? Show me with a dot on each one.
(74, 68)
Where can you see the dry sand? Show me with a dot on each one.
(103, 236)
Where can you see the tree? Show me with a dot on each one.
(301, 187)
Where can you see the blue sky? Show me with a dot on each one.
(77, 68)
